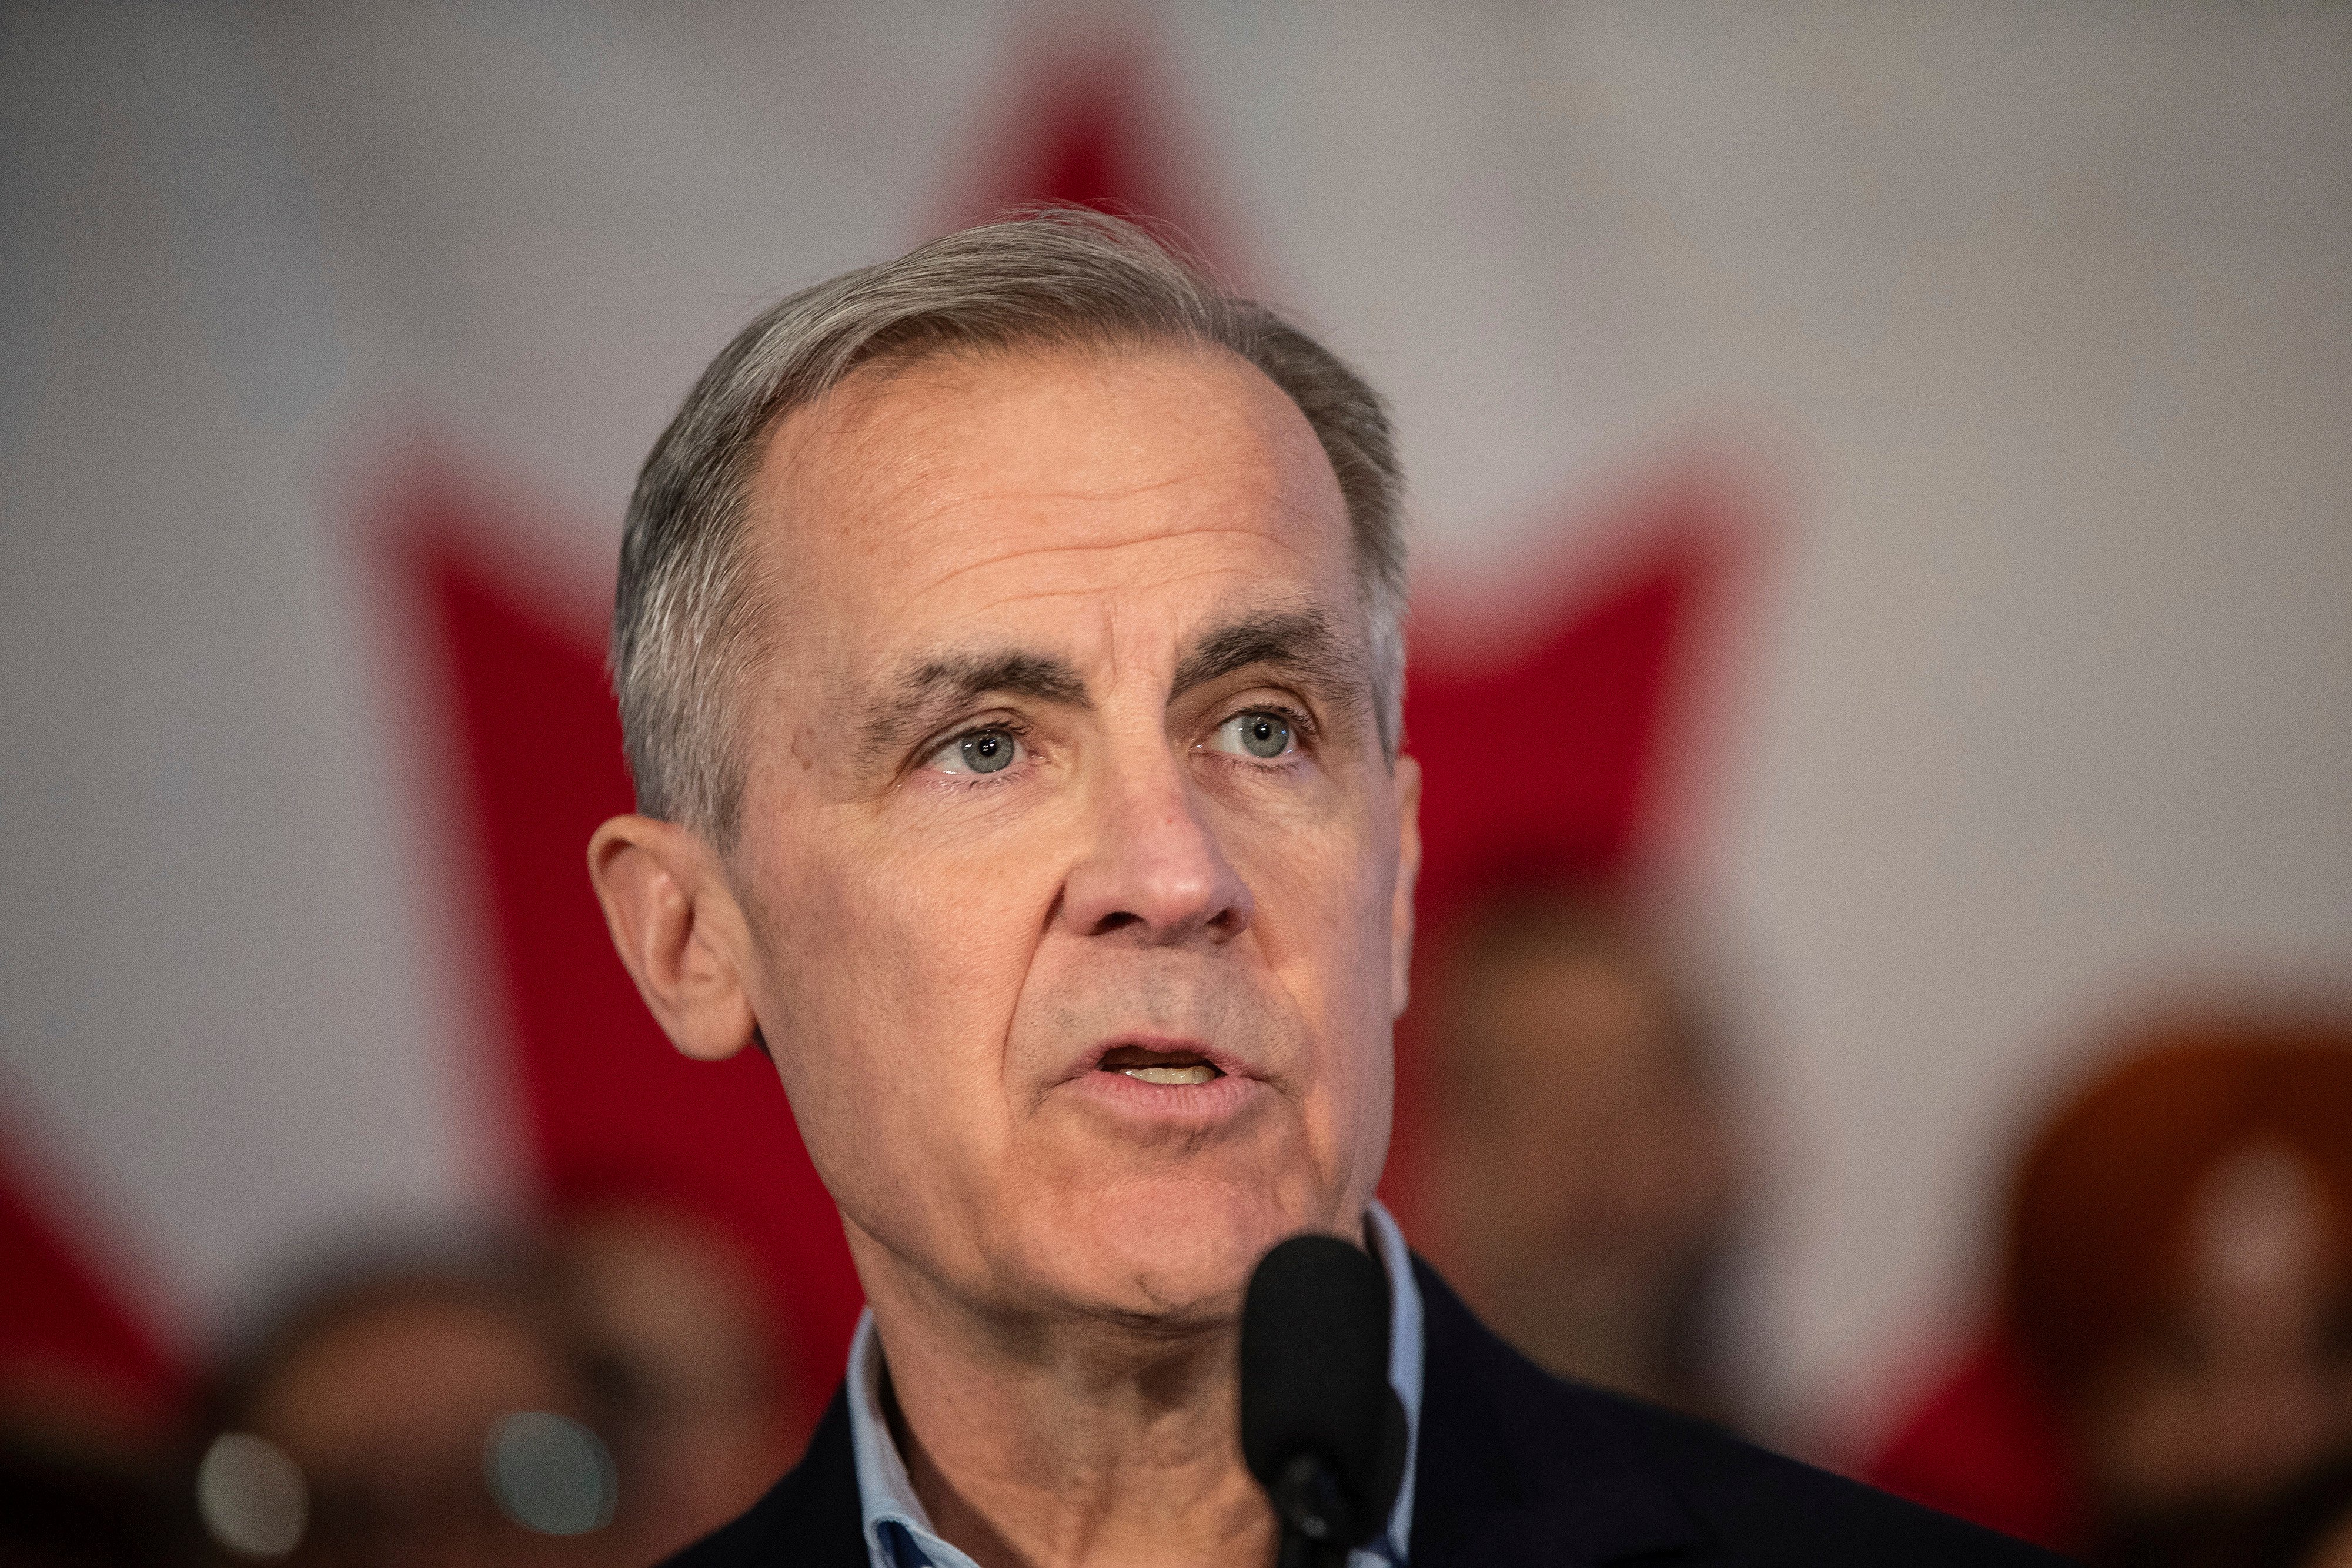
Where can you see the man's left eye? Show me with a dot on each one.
(1257, 734)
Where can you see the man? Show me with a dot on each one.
(1008, 648)
(1584, 1157)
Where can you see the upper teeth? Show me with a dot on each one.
(1199, 1072)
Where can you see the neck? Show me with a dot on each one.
(1036, 1444)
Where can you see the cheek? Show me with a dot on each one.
(1323, 910)
(1323, 920)
(889, 984)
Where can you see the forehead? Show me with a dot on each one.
(1059, 487)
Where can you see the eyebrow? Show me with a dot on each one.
(941, 683)
(1299, 641)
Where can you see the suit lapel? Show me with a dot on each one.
(812, 1516)
(1516, 1465)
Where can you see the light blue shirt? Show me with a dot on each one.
(899, 1533)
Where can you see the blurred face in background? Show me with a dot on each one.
(676, 1311)
(2179, 1276)
(2244, 1381)
(1584, 1168)
(390, 1414)
(1075, 875)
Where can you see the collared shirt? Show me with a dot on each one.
(899, 1533)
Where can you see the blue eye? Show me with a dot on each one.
(1258, 734)
(977, 751)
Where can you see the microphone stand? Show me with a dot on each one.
(1313, 1514)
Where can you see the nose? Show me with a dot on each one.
(1155, 868)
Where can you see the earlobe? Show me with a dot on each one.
(1407, 780)
(678, 930)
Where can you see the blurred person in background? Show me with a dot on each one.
(668, 1302)
(2312, 1525)
(85, 1472)
(2176, 1300)
(62, 1507)
(416, 1412)
(1584, 1164)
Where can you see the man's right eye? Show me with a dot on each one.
(977, 751)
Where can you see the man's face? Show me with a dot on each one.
(1069, 853)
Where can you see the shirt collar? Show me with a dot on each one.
(899, 1533)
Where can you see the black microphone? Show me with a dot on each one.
(1321, 1429)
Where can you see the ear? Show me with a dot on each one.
(1407, 782)
(679, 930)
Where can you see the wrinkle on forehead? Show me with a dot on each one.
(1006, 520)
(918, 440)
(910, 500)
(1172, 536)
(1097, 496)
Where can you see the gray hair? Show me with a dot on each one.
(685, 617)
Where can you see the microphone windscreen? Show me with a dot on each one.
(1315, 1372)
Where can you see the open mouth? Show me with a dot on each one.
(1159, 1066)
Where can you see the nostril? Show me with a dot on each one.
(1117, 919)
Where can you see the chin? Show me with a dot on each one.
(1173, 1254)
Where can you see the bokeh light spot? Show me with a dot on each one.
(252, 1496)
(551, 1474)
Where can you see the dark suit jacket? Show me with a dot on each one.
(1516, 1465)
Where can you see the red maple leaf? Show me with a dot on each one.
(1542, 755)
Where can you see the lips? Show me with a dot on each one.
(1154, 1087)
(1179, 1068)
(1170, 1062)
